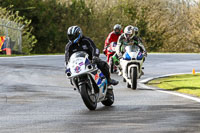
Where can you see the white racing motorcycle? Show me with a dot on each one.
(131, 64)
(89, 81)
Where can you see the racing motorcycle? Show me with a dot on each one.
(110, 52)
(89, 81)
(131, 64)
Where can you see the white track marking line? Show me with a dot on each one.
(142, 84)
(173, 93)
(181, 95)
(144, 81)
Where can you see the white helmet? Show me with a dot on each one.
(129, 31)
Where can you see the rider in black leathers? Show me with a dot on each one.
(78, 42)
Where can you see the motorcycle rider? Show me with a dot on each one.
(112, 37)
(127, 38)
(136, 37)
(78, 42)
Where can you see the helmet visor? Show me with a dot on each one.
(129, 35)
(72, 37)
(117, 31)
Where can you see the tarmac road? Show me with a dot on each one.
(36, 97)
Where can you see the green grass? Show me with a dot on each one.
(3, 55)
(187, 83)
(13, 55)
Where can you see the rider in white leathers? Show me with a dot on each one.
(128, 38)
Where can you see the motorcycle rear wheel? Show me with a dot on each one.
(110, 98)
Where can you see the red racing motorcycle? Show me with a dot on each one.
(110, 51)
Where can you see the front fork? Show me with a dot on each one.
(77, 81)
(91, 83)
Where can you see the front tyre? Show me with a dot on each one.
(133, 78)
(111, 64)
(110, 98)
(88, 98)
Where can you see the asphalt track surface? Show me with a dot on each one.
(36, 97)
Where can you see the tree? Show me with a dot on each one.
(28, 38)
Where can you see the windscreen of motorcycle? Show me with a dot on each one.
(132, 48)
(77, 61)
(113, 46)
(132, 51)
(79, 54)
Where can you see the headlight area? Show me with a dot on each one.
(89, 67)
(68, 72)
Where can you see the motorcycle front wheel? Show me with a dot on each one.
(133, 78)
(89, 99)
(111, 64)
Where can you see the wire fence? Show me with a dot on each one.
(13, 35)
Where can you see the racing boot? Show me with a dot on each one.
(120, 73)
(112, 82)
(142, 73)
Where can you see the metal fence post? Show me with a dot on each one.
(20, 38)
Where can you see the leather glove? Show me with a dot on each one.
(145, 53)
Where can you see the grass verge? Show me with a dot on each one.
(187, 83)
(14, 55)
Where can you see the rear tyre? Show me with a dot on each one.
(110, 98)
(111, 64)
(133, 78)
(88, 98)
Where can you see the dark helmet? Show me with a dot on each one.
(74, 34)
(117, 27)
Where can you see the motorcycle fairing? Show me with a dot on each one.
(140, 56)
(126, 56)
